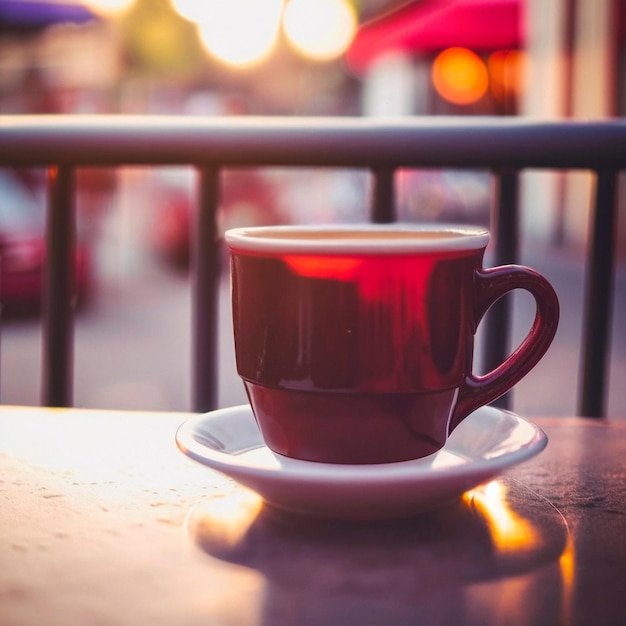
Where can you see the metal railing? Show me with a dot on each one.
(505, 146)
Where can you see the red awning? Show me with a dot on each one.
(437, 24)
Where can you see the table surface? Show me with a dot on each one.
(103, 521)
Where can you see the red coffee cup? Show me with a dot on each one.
(355, 343)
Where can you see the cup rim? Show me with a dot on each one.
(398, 238)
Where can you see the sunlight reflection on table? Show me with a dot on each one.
(512, 534)
(457, 556)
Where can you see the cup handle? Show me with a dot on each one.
(490, 285)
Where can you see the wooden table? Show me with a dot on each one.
(103, 521)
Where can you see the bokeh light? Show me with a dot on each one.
(239, 32)
(460, 76)
(321, 30)
(189, 9)
(507, 70)
(109, 8)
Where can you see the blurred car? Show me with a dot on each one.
(247, 199)
(23, 248)
(458, 196)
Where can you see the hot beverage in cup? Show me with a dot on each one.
(355, 343)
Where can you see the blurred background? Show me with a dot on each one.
(371, 58)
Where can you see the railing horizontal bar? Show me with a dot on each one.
(42, 140)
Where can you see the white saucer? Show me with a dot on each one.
(481, 447)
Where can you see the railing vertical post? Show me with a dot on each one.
(205, 267)
(383, 205)
(57, 361)
(599, 296)
(506, 232)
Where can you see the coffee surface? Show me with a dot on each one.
(361, 235)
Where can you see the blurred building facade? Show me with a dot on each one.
(557, 59)
(546, 60)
